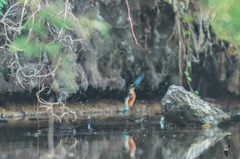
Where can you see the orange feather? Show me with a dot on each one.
(131, 99)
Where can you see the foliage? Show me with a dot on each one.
(2, 3)
(51, 31)
(225, 19)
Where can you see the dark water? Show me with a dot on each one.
(116, 138)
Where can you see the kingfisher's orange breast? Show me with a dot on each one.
(131, 99)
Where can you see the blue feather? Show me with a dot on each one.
(126, 106)
(138, 80)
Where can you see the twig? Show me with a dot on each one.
(129, 17)
(23, 10)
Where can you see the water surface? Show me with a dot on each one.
(115, 138)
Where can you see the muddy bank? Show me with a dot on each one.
(106, 107)
(101, 107)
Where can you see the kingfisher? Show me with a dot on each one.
(129, 100)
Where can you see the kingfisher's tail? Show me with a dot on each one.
(139, 79)
(123, 111)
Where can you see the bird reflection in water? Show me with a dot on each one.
(130, 144)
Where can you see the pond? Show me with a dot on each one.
(114, 137)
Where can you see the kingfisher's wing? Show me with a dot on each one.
(139, 79)
(126, 106)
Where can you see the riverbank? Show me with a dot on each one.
(106, 107)
(100, 107)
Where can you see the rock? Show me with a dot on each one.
(183, 107)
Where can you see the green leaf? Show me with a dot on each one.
(189, 48)
(187, 32)
(31, 50)
(53, 50)
(1, 5)
(20, 43)
(38, 27)
(192, 27)
(186, 73)
(187, 42)
(206, 126)
(55, 85)
(189, 19)
(189, 64)
(4, 2)
(189, 79)
(101, 26)
(1, 13)
(196, 92)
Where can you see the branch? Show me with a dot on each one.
(129, 17)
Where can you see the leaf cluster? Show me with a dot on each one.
(225, 19)
(2, 3)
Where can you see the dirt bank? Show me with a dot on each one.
(101, 107)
